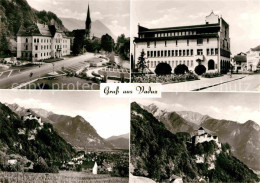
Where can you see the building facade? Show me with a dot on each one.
(253, 59)
(240, 62)
(207, 44)
(39, 42)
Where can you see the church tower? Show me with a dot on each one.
(88, 24)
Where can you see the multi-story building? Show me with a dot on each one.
(253, 59)
(240, 62)
(207, 44)
(40, 42)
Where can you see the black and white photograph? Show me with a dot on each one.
(64, 45)
(63, 137)
(196, 137)
(195, 45)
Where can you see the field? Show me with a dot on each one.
(61, 177)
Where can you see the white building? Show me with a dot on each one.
(40, 42)
(203, 136)
(207, 44)
(253, 59)
(95, 168)
(240, 62)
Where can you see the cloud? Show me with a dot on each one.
(118, 29)
(33, 103)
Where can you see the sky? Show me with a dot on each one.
(239, 107)
(108, 116)
(113, 13)
(243, 17)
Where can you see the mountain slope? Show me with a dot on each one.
(244, 138)
(159, 154)
(75, 130)
(16, 13)
(97, 27)
(120, 141)
(30, 139)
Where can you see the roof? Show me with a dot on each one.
(40, 30)
(201, 128)
(240, 58)
(256, 48)
(190, 27)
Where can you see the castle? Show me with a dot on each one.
(203, 136)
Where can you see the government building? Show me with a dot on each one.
(39, 42)
(207, 44)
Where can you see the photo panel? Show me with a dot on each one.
(64, 45)
(196, 45)
(195, 137)
(63, 136)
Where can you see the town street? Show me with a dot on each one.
(249, 83)
(13, 81)
(225, 83)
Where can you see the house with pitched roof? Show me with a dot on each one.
(253, 59)
(40, 41)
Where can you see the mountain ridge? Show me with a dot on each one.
(243, 137)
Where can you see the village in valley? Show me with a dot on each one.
(34, 148)
(41, 53)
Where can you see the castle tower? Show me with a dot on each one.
(88, 24)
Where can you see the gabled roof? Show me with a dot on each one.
(44, 29)
(201, 128)
(240, 58)
(256, 48)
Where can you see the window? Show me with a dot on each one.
(165, 53)
(148, 44)
(211, 65)
(161, 53)
(188, 63)
(176, 53)
(176, 42)
(34, 40)
(183, 52)
(169, 53)
(191, 52)
(188, 42)
(158, 53)
(26, 40)
(212, 51)
(36, 47)
(154, 53)
(26, 47)
(155, 44)
(36, 55)
(151, 53)
(216, 51)
(173, 53)
(188, 52)
(199, 52)
(200, 41)
(38, 40)
(148, 54)
(41, 54)
(155, 35)
(207, 40)
(207, 51)
(191, 63)
(179, 52)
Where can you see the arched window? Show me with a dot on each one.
(211, 65)
(26, 40)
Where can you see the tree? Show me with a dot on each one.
(123, 47)
(141, 64)
(181, 69)
(78, 43)
(200, 69)
(4, 46)
(163, 69)
(107, 43)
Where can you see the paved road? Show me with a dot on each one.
(249, 83)
(23, 77)
(199, 84)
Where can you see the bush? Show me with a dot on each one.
(163, 69)
(200, 69)
(181, 69)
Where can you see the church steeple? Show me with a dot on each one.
(88, 23)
